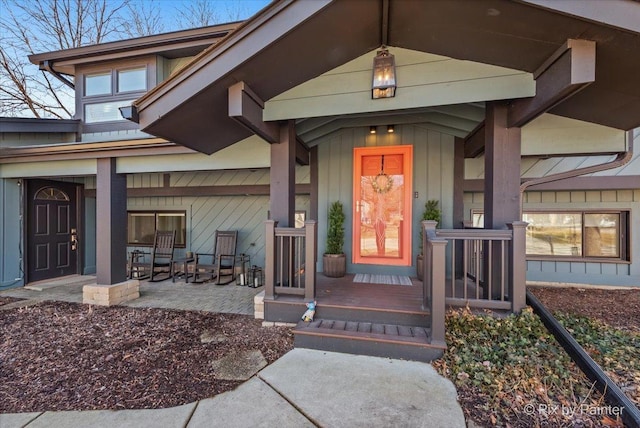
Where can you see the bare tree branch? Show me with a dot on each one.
(28, 27)
(144, 18)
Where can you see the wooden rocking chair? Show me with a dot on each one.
(160, 258)
(223, 259)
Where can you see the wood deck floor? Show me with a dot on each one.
(343, 292)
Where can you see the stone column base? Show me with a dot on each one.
(108, 295)
(258, 306)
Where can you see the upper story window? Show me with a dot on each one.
(132, 80)
(106, 88)
(97, 84)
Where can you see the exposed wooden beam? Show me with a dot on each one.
(302, 152)
(246, 108)
(474, 143)
(569, 70)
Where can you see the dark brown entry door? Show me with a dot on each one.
(52, 229)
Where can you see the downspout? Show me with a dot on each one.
(47, 65)
(620, 160)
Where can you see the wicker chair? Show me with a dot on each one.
(222, 262)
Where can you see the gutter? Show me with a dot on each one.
(622, 159)
(47, 65)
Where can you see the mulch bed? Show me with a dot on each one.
(67, 356)
(618, 308)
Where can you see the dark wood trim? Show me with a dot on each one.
(502, 168)
(474, 142)
(282, 175)
(615, 182)
(569, 70)
(302, 152)
(313, 177)
(111, 215)
(246, 107)
(458, 182)
(166, 180)
(232, 190)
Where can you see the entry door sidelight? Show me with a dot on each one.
(52, 229)
(382, 205)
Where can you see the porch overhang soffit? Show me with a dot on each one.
(292, 42)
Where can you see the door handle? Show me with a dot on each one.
(74, 240)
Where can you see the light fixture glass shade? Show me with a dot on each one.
(372, 130)
(390, 129)
(384, 75)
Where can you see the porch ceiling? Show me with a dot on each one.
(291, 42)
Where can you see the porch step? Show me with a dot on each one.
(366, 338)
(291, 309)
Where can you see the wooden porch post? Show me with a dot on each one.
(313, 173)
(501, 185)
(437, 293)
(311, 236)
(111, 218)
(283, 176)
(502, 169)
(518, 266)
(458, 200)
(270, 259)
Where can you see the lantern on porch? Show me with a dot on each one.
(384, 75)
(254, 277)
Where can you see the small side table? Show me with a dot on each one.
(183, 263)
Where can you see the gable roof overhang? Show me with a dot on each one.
(290, 42)
(175, 44)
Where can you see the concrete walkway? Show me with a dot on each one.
(304, 388)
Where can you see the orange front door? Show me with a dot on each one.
(382, 208)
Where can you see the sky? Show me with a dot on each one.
(224, 8)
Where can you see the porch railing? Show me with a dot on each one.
(486, 269)
(290, 260)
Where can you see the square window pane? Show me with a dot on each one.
(132, 80)
(97, 84)
(174, 221)
(104, 112)
(141, 228)
(554, 234)
(602, 235)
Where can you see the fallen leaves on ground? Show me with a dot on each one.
(67, 356)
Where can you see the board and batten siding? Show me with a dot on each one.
(610, 273)
(206, 214)
(432, 179)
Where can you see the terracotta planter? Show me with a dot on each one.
(334, 265)
(420, 265)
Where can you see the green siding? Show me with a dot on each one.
(433, 179)
(610, 273)
(11, 245)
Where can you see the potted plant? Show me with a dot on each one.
(334, 260)
(431, 212)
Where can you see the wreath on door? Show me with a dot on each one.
(382, 183)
